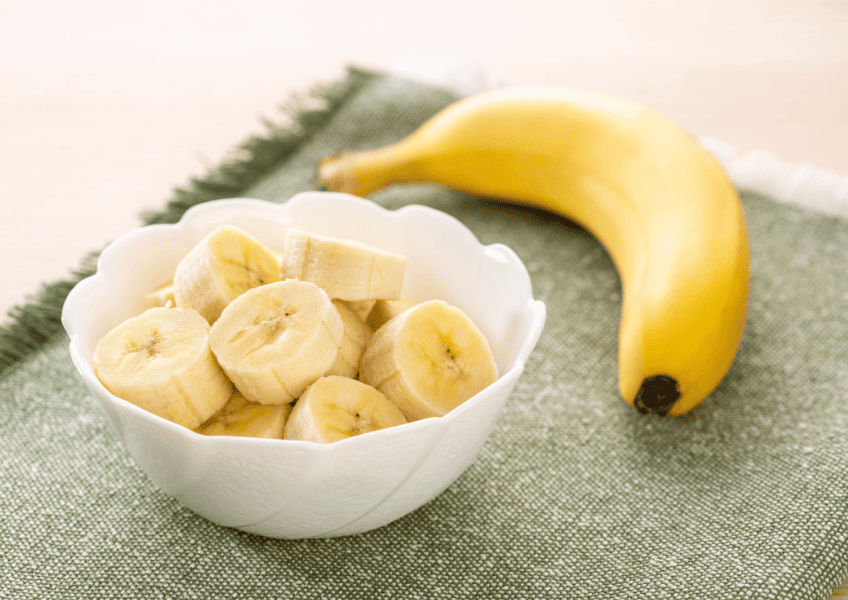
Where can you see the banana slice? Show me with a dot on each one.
(224, 265)
(356, 335)
(334, 408)
(278, 254)
(160, 361)
(243, 418)
(275, 340)
(428, 360)
(160, 296)
(362, 308)
(346, 270)
(385, 310)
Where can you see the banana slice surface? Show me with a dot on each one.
(224, 265)
(243, 418)
(275, 340)
(428, 360)
(161, 295)
(335, 408)
(355, 337)
(384, 311)
(347, 270)
(161, 361)
(362, 308)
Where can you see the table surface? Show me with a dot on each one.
(106, 107)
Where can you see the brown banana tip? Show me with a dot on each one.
(332, 174)
(657, 395)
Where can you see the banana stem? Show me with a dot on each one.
(364, 173)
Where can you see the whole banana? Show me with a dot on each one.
(658, 202)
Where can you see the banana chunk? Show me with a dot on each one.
(160, 361)
(224, 265)
(243, 418)
(428, 360)
(275, 340)
(356, 336)
(161, 295)
(362, 308)
(346, 270)
(334, 408)
(384, 311)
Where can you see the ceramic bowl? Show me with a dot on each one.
(292, 489)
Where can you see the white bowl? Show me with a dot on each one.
(289, 489)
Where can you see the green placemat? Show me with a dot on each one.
(575, 494)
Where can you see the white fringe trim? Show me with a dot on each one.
(802, 185)
(758, 171)
(463, 77)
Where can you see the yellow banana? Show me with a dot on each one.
(658, 202)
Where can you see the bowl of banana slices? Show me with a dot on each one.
(314, 368)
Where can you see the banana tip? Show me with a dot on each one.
(657, 395)
(334, 175)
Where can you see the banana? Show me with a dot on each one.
(346, 270)
(428, 360)
(362, 308)
(243, 418)
(160, 361)
(385, 310)
(224, 265)
(355, 337)
(276, 339)
(657, 201)
(161, 295)
(335, 408)
(278, 254)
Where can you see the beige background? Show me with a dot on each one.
(106, 106)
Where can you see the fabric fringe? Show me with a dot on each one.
(463, 77)
(30, 325)
(256, 156)
(800, 185)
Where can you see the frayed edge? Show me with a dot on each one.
(29, 326)
(797, 184)
(462, 77)
(253, 159)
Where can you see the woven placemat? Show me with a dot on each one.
(574, 495)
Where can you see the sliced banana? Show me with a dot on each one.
(275, 340)
(161, 295)
(243, 418)
(346, 270)
(385, 310)
(334, 408)
(278, 254)
(362, 308)
(428, 360)
(356, 335)
(224, 265)
(160, 361)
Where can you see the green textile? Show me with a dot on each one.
(574, 495)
